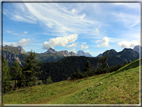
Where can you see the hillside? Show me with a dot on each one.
(66, 66)
(119, 87)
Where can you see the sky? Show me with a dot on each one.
(91, 27)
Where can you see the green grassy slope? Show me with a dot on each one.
(119, 87)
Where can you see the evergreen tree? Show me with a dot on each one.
(16, 72)
(49, 81)
(30, 67)
(103, 61)
(6, 85)
(87, 68)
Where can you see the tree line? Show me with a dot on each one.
(102, 67)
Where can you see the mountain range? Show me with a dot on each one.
(12, 54)
(66, 53)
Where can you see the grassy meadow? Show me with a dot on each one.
(118, 87)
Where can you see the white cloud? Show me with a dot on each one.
(128, 19)
(83, 42)
(22, 42)
(105, 42)
(82, 17)
(26, 32)
(126, 44)
(97, 30)
(60, 41)
(72, 45)
(98, 41)
(8, 31)
(73, 10)
(58, 17)
(15, 33)
(84, 46)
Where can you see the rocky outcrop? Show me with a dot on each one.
(10, 56)
(21, 49)
(50, 50)
(72, 54)
(138, 49)
(66, 53)
(82, 53)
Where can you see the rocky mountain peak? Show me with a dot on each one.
(137, 48)
(21, 49)
(82, 53)
(50, 50)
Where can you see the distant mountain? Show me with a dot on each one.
(21, 49)
(125, 55)
(13, 54)
(68, 65)
(66, 53)
(82, 53)
(128, 51)
(110, 52)
(50, 50)
(137, 48)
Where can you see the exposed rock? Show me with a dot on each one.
(64, 53)
(82, 53)
(21, 49)
(138, 49)
(50, 50)
(17, 59)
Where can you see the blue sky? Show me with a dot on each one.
(91, 27)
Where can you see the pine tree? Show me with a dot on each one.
(49, 81)
(29, 68)
(16, 72)
(87, 68)
(6, 85)
(103, 61)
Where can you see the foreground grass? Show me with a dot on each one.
(119, 87)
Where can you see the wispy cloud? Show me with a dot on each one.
(8, 31)
(97, 30)
(12, 32)
(56, 17)
(26, 32)
(128, 20)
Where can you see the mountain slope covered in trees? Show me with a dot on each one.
(65, 67)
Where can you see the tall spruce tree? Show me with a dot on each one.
(16, 72)
(6, 85)
(103, 61)
(87, 68)
(29, 68)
